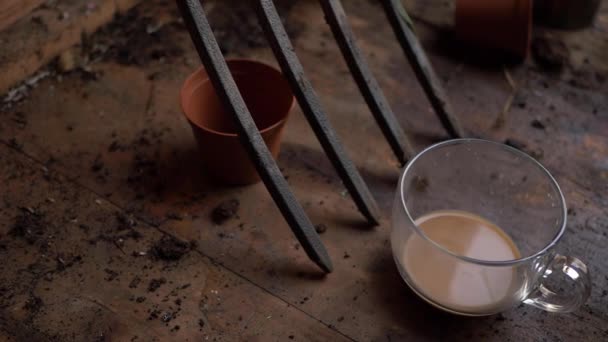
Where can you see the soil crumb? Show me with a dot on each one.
(225, 211)
(518, 144)
(33, 304)
(321, 228)
(155, 284)
(29, 225)
(550, 54)
(170, 249)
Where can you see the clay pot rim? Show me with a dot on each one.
(190, 79)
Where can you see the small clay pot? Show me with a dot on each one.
(566, 14)
(504, 25)
(269, 100)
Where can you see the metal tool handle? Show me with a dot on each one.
(385, 118)
(422, 67)
(219, 74)
(311, 107)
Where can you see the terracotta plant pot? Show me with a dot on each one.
(269, 99)
(497, 24)
(566, 14)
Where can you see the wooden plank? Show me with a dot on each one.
(129, 119)
(89, 272)
(13, 10)
(46, 32)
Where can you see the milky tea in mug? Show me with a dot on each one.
(474, 228)
(454, 283)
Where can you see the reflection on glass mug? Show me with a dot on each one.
(475, 224)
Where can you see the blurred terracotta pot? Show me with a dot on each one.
(497, 24)
(566, 14)
(269, 100)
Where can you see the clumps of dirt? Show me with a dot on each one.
(420, 184)
(515, 143)
(536, 123)
(99, 169)
(247, 34)
(33, 304)
(321, 228)
(225, 211)
(20, 119)
(154, 314)
(29, 225)
(587, 79)
(125, 222)
(155, 284)
(169, 248)
(123, 230)
(110, 274)
(97, 164)
(134, 282)
(66, 261)
(116, 146)
(14, 143)
(135, 38)
(145, 167)
(550, 54)
(522, 146)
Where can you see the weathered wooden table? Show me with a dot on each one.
(105, 213)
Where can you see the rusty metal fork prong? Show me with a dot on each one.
(398, 140)
(221, 78)
(310, 104)
(422, 67)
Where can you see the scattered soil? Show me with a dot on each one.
(12, 142)
(29, 225)
(135, 282)
(538, 124)
(225, 211)
(125, 222)
(97, 164)
(124, 230)
(515, 143)
(65, 262)
(110, 274)
(154, 315)
(155, 284)
(247, 34)
(33, 304)
(420, 183)
(550, 54)
(136, 39)
(321, 228)
(170, 249)
(537, 153)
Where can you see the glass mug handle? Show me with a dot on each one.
(576, 273)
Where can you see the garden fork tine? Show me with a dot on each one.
(219, 74)
(423, 69)
(311, 107)
(336, 18)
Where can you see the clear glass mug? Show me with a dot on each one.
(503, 186)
